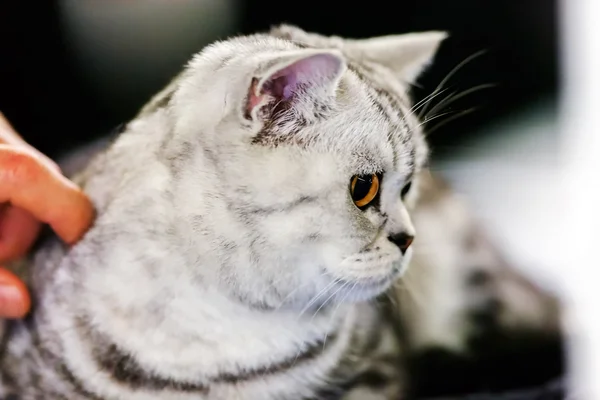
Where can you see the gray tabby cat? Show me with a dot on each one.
(248, 219)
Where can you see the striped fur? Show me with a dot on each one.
(228, 260)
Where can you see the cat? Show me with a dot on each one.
(252, 222)
(458, 293)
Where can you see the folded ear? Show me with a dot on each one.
(293, 79)
(296, 34)
(406, 55)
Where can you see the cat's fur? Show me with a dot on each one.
(228, 260)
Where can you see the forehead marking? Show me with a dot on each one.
(390, 107)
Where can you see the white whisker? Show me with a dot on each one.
(295, 290)
(337, 308)
(449, 76)
(317, 296)
(453, 97)
(329, 298)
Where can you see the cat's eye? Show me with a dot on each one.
(364, 189)
(405, 189)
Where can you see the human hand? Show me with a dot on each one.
(32, 191)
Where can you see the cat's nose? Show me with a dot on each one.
(402, 240)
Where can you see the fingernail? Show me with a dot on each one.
(12, 304)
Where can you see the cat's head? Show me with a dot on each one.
(295, 156)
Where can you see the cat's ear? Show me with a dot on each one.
(298, 35)
(289, 32)
(293, 78)
(407, 55)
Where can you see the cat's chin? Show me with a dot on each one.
(357, 291)
(352, 289)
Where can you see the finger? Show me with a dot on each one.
(18, 231)
(8, 135)
(28, 183)
(14, 296)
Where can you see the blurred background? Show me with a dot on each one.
(72, 70)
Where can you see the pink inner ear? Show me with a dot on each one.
(282, 84)
(253, 99)
(313, 71)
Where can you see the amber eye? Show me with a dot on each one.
(363, 189)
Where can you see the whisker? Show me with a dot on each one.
(317, 296)
(451, 74)
(422, 103)
(295, 290)
(431, 119)
(329, 298)
(452, 118)
(453, 97)
(336, 309)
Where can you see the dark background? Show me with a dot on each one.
(43, 94)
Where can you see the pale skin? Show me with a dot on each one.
(32, 192)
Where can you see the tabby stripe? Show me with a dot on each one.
(312, 352)
(390, 106)
(125, 369)
(357, 70)
(278, 209)
(387, 104)
(383, 94)
(59, 365)
(68, 375)
(396, 113)
(393, 106)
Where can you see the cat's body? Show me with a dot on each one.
(229, 259)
